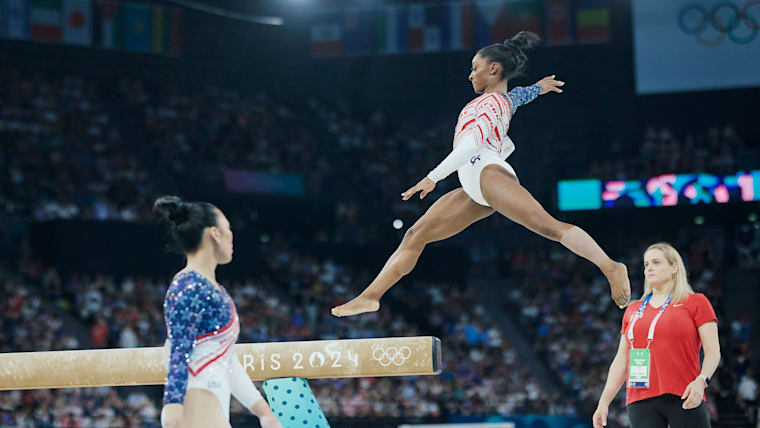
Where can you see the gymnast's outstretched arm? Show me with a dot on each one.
(522, 95)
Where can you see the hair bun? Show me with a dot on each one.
(171, 208)
(523, 40)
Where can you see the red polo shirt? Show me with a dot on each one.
(674, 353)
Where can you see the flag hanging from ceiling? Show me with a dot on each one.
(592, 21)
(456, 26)
(557, 22)
(327, 35)
(77, 22)
(45, 20)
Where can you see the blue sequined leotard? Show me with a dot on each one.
(202, 326)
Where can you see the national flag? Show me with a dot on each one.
(108, 25)
(138, 22)
(592, 21)
(45, 20)
(159, 30)
(166, 31)
(427, 27)
(327, 35)
(390, 30)
(358, 32)
(416, 28)
(175, 32)
(558, 22)
(15, 19)
(77, 22)
(490, 22)
(521, 15)
(460, 34)
(436, 28)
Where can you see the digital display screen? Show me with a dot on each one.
(658, 191)
(242, 181)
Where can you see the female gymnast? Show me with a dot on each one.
(202, 325)
(489, 183)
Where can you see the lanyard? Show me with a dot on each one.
(640, 313)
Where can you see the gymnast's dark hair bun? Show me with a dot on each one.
(186, 221)
(512, 54)
(524, 40)
(171, 208)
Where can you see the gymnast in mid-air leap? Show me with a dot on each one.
(489, 183)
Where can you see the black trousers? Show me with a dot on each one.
(664, 410)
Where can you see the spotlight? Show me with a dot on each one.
(398, 224)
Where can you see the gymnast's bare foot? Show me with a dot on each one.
(358, 305)
(620, 285)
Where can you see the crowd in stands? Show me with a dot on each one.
(80, 150)
(207, 131)
(714, 149)
(748, 245)
(33, 319)
(28, 324)
(63, 153)
(77, 408)
(743, 376)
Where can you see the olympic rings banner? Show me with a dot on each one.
(688, 45)
(659, 191)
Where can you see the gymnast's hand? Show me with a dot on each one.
(266, 418)
(171, 415)
(269, 421)
(548, 84)
(425, 186)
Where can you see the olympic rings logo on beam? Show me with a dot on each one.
(725, 18)
(391, 355)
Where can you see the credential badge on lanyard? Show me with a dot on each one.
(638, 369)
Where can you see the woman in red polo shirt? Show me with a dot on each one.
(658, 356)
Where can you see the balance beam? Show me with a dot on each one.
(319, 359)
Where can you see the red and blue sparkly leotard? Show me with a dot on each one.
(202, 327)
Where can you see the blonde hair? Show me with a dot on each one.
(681, 287)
